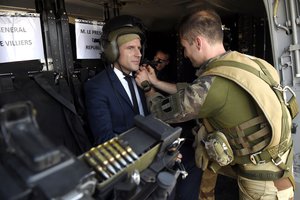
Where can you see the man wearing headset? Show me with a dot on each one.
(109, 102)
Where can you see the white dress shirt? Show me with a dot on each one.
(121, 76)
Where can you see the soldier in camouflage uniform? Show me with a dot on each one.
(242, 131)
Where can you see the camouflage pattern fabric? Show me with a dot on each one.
(208, 184)
(182, 106)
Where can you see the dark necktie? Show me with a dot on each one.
(129, 80)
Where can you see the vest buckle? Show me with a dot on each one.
(277, 161)
(255, 159)
(285, 89)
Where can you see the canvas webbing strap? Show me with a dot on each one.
(207, 186)
(43, 83)
(243, 140)
(209, 178)
(6, 84)
(64, 38)
(52, 54)
(264, 75)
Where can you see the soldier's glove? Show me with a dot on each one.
(201, 156)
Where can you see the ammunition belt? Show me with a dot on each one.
(110, 157)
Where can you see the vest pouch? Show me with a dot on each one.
(218, 148)
(293, 107)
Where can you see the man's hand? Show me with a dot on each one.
(146, 73)
(141, 76)
(152, 75)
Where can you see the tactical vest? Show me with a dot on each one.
(257, 77)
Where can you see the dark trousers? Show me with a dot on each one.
(188, 188)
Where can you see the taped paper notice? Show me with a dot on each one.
(88, 34)
(20, 38)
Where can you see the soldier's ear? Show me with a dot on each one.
(198, 42)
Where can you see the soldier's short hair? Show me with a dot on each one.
(206, 23)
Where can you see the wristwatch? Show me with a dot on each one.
(146, 86)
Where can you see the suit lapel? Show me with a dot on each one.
(116, 83)
(117, 86)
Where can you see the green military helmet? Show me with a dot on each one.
(114, 28)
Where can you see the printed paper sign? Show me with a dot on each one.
(87, 39)
(20, 38)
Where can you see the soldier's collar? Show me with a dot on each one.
(206, 63)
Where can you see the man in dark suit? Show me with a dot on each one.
(111, 104)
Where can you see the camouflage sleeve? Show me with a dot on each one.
(181, 86)
(184, 105)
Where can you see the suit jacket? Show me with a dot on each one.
(109, 108)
